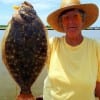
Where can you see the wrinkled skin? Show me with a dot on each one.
(24, 47)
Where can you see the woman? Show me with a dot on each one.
(74, 60)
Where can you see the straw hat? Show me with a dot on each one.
(90, 9)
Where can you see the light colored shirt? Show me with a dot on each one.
(72, 71)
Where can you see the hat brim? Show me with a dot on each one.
(91, 11)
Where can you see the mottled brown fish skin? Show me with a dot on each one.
(25, 48)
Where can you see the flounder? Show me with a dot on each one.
(24, 48)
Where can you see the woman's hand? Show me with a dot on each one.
(97, 90)
(17, 17)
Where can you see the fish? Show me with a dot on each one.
(24, 48)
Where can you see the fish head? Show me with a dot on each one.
(26, 11)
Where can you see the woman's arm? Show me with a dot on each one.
(97, 90)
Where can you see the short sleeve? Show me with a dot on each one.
(51, 44)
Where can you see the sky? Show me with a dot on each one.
(42, 7)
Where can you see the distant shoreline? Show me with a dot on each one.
(3, 27)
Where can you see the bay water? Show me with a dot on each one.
(51, 33)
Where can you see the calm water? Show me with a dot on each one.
(88, 33)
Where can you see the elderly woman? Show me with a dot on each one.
(74, 60)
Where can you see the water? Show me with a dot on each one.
(87, 33)
(51, 33)
(1, 34)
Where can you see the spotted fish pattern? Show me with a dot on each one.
(24, 49)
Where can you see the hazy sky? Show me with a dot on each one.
(43, 8)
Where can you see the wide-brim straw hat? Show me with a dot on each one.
(91, 10)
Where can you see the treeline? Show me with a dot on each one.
(3, 27)
(89, 28)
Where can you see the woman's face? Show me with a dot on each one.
(72, 22)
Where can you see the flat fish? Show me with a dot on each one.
(24, 48)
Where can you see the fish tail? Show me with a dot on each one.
(25, 97)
